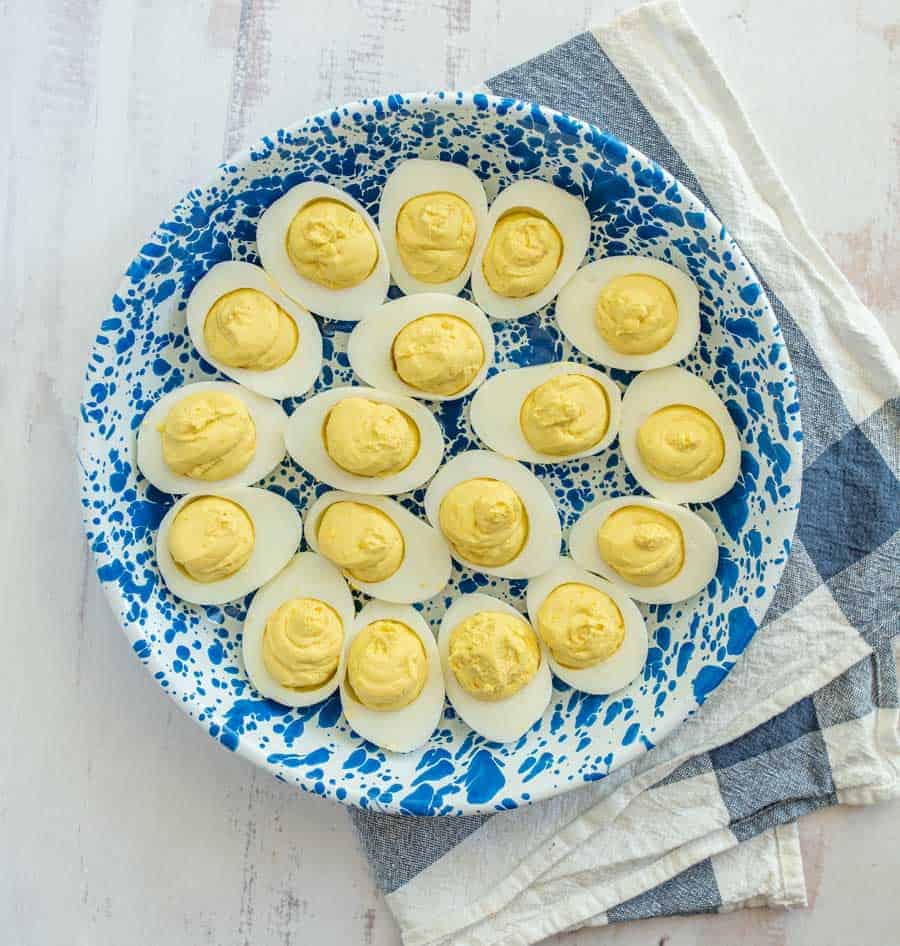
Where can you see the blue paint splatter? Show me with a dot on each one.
(483, 778)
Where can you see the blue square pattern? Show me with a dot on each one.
(398, 847)
(784, 811)
(851, 504)
(695, 890)
(694, 767)
(799, 769)
(852, 695)
(794, 722)
(868, 592)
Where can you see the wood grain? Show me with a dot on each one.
(120, 821)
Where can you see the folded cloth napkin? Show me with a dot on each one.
(809, 715)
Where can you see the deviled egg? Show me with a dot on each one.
(243, 325)
(656, 552)
(393, 690)
(363, 440)
(210, 432)
(678, 438)
(630, 312)
(293, 638)
(381, 548)
(221, 544)
(495, 670)
(431, 346)
(547, 413)
(536, 238)
(322, 249)
(496, 516)
(430, 216)
(594, 634)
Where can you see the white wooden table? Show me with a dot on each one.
(121, 821)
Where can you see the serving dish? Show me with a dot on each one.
(143, 350)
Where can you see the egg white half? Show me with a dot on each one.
(626, 663)
(570, 217)
(494, 411)
(268, 418)
(497, 720)
(654, 390)
(408, 728)
(577, 304)
(304, 437)
(348, 305)
(411, 179)
(371, 342)
(425, 569)
(701, 551)
(541, 549)
(307, 575)
(276, 528)
(298, 374)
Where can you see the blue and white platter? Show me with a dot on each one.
(143, 351)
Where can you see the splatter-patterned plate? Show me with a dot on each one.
(143, 350)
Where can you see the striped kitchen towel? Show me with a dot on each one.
(809, 716)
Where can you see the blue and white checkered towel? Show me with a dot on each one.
(809, 716)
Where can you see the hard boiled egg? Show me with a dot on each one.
(209, 436)
(336, 242)
(498, 410)
(630, 312)
(507, 718)
(305, 440)
(488, 502)
(439, 234)
(431, 360)
(618, 670)
(424, 564)
(409, 726)
(290, 379)
(664, 553)
(678, 438)
(264, 548)
(310, 577)
(520, 259)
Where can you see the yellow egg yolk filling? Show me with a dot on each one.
(523, 254)
(642, 545)
(636, 314)
(331, 244)
(211, 538)
(247, 329)
(435, 234)
(361, 540)
(567, 414)
(493, 654)
(580, 625)
(301, 645)
(208, 436)
(387, 666)
(439, 354)
(369, 438)
(485, 521)
(681, 443)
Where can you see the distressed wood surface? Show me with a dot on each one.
(120, 821)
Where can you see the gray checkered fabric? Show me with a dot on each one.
(848, 540)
